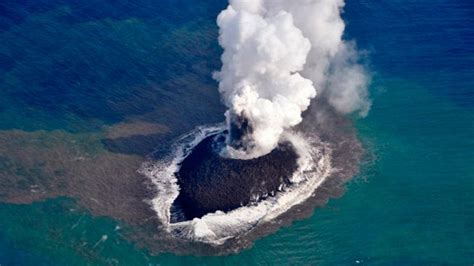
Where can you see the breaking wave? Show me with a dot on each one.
(314, 166)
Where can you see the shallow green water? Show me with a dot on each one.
(412, 205)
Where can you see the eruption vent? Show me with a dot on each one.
(277, 55)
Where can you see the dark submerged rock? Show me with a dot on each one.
(209, 182)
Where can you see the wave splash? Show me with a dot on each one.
(314, 166)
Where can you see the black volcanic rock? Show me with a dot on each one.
(209, 182)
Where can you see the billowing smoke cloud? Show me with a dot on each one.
(278, 54)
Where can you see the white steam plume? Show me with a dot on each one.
(277, 55)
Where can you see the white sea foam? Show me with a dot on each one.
(215, 228)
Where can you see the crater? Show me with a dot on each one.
(209, 182)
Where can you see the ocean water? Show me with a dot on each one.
(78, 66)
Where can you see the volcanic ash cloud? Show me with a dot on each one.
(278, 54)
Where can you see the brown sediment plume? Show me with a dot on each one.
(337, 133)
(47, 164)
(134, 128)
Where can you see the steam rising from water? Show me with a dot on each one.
(278, 54)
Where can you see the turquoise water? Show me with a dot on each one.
(74, 66)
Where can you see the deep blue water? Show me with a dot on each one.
(78, 65)
(431, 42)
